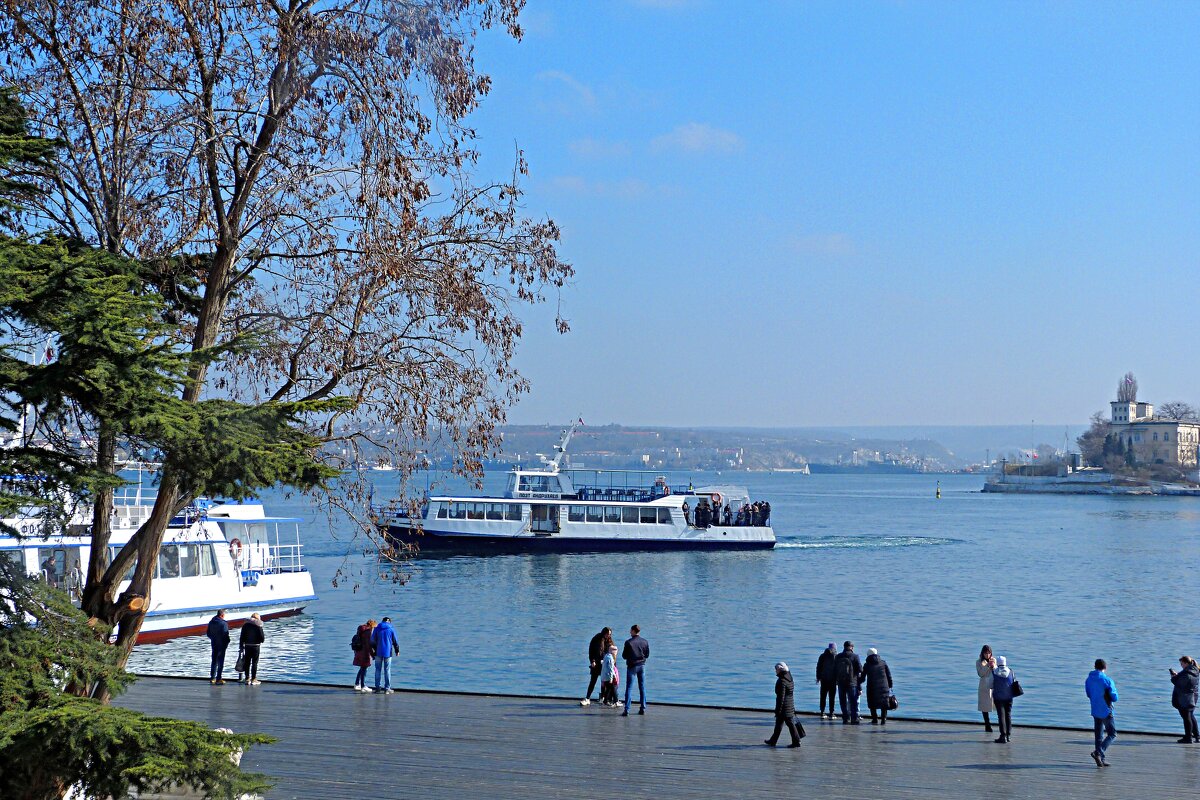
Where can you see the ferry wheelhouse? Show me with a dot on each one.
(549, 509)
(214, 555)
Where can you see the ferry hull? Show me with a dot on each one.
(160, 635)
(441, 542)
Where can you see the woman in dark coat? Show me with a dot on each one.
(362, 656)
(1183, 696)
(879, 686)
(785, 706)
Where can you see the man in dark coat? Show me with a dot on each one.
(826, 678)
(785, 706)
(637, 650)
(218, 637)
(595, 662)
(847, 670)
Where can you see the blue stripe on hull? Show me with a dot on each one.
(555, 544)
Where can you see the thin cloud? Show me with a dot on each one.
(598, 148)
(698, 138)
(569, 94)
(620, 189)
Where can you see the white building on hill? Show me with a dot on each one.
(1155, 440)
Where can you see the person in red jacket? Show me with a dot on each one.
(362, 654)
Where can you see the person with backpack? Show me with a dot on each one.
(360, 643)
(1003, 679)
(385, 646)
(1102, 693)
(826, 678)
(847, 671)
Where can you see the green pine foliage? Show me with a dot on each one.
(51, 738)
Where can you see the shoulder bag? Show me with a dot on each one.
(1017, 691)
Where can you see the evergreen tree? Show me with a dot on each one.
(53, 739)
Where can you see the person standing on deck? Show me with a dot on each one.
(687, 513)
(1102, 693)
(1003, 679)
(878, 677)
(847, 670)
(250, 642)
(218, 637)
(1186, 684)
(785, 706)
(728, 516)
(636, 651)
(362, 654)
(386, 646)
(826, 678)
(983, 668)
(595, 662)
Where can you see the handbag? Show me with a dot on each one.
(893, 703)
(800, 732)
(240, 664)
(1017, 691)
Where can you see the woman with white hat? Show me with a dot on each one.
(785, 706)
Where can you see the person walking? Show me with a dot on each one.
(983, 668)
(1186, 684)
(785, 706)
(250, 643)
(847, 671)
(878, 677)
(1003, 679)
(361, 644)
(218, 638)
(596, 650)
(386, 647)
(826, 678)
(1102, 693)
(636, 651)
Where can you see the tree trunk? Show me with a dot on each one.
(93, 600)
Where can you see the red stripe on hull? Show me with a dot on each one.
(158, 637)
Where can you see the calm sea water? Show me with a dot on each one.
(1051, 582)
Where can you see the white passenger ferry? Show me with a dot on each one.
(224, 555)
(561, 510)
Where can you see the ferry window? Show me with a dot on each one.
(612, 513)
(574, 513)
(189, 566)
(112, 556)
(649, 514)
(495, 511)
(442, 512)
(475, 511)
(168, 562)
(207, 559)
(15, 556)
(514, 511)
(460, 510)
(629, 514)
(595, 513)
(664, 516)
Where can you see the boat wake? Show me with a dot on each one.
(865, 542)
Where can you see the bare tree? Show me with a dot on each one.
(1178, 410)
(1127, 389)
(1091, 442)
(313, 163)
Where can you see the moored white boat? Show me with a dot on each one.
(227, 555)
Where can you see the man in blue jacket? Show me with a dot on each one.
(218, 637)
(1103, 693)
(385, 645)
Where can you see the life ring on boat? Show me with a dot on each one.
(235, 549)
(716, 498)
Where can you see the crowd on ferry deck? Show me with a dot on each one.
(756, 514)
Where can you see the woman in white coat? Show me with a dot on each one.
(983, 667)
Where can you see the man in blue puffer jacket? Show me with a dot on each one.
(386, 645)
(1103, 693)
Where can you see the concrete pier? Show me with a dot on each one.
(334, 742)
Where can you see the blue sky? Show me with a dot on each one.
(868, 213)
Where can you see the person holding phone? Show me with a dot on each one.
(983, 668)
(1184, 695)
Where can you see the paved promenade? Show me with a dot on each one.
(336, 743)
